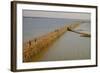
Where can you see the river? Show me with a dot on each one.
(69, 46)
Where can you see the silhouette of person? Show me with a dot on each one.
(29, 43)
(35, 39)
(69, 29)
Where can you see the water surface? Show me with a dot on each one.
(69, 46)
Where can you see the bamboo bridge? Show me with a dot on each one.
(35, 46)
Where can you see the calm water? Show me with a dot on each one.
(69, 46)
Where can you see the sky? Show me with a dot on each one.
(56, 14)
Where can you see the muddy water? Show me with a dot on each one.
(69, 46)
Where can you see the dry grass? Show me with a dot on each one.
(34, 49)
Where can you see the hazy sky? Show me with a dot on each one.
(68, 15)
